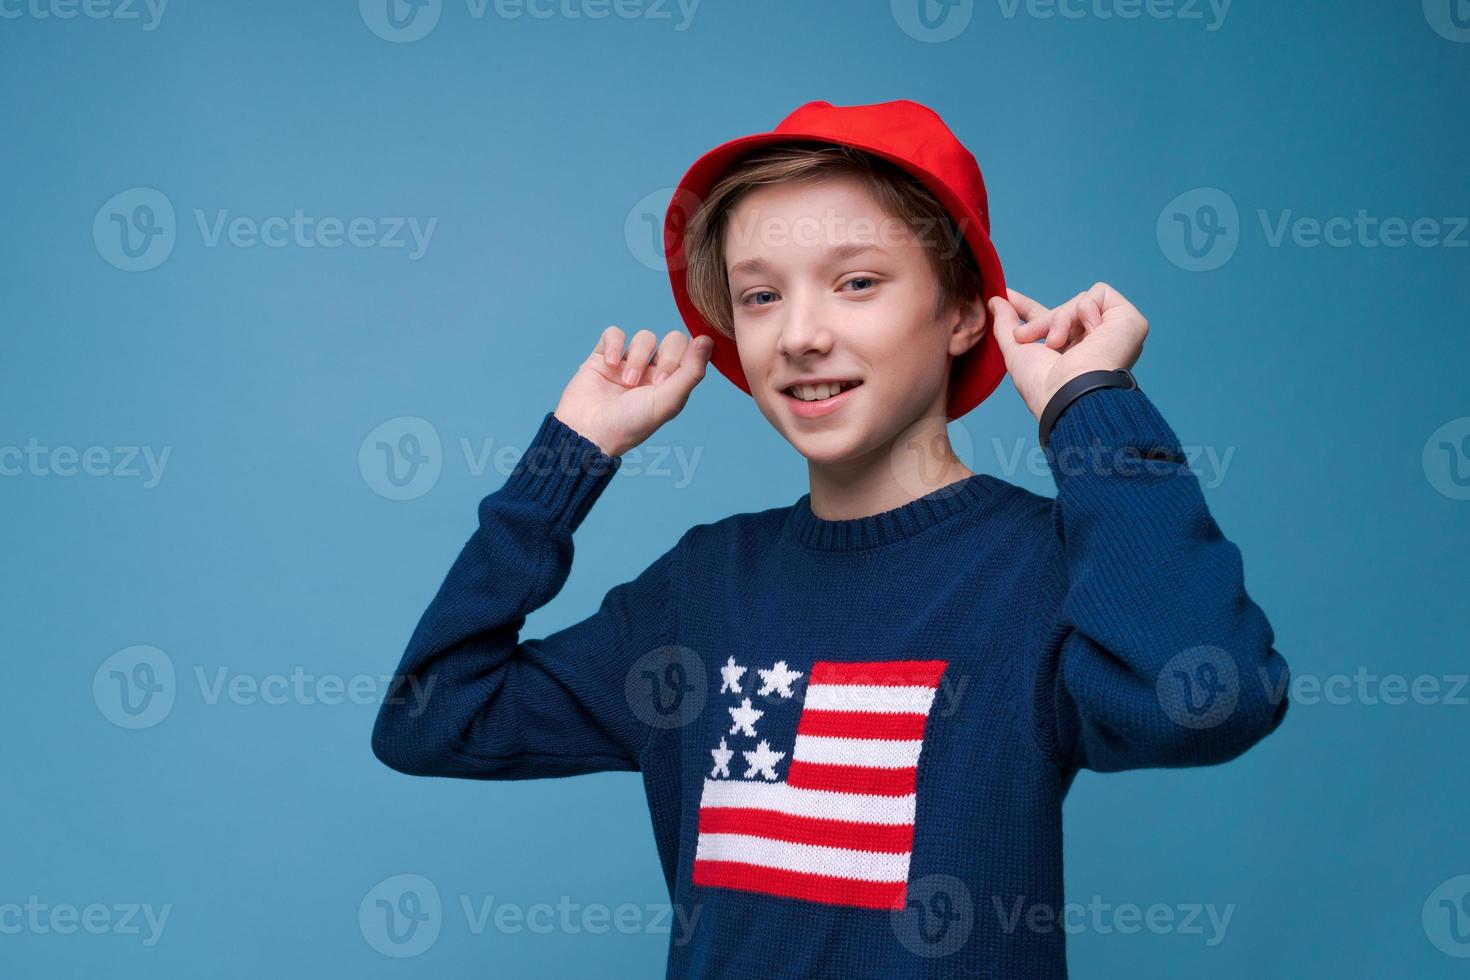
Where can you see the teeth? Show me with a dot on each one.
(812, 393)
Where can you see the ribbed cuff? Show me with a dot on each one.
(562, 471)
(1106, 430)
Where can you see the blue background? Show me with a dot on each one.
(536, 143)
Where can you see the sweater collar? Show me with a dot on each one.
(901, 522)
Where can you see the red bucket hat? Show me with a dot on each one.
(903, 132)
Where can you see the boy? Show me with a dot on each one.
(855, 717)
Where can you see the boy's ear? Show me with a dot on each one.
(967, 325)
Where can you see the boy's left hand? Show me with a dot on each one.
(1095, 330)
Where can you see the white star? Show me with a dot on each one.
(778, 678)
(762, 760)
(722, 760)
(745, 717)
(730, 677)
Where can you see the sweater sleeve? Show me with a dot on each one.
(473, 700)
(1157, 656)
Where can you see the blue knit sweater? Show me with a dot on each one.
(856, 735)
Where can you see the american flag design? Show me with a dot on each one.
(828, 817)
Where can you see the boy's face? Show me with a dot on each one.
(824, 284)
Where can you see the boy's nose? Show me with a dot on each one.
(805, 330)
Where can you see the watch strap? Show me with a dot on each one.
(1077, 387)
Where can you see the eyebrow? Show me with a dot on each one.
(836, 253)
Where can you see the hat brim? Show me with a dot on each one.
(974, 374)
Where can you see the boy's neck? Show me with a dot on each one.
(918, 462)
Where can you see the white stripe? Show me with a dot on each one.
(869, 697)
(881, 753)
(785, 798)
(808, 858)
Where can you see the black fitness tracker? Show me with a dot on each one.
(1080, 385)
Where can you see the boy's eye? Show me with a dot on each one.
(752, 299)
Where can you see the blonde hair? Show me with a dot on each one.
(899, 194)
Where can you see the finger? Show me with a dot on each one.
(1073, 324)
(666, 359)
(1026, 330)
(1105, 298)
(1075, 335)
(673, 391)
(1027, 307)
(1038, 318)
(1110, 299)
(611, 345)
(640, 349)
(1033, 326)
(1089, 311)
(1006, 324)
(1063, 321)
(1035, 329)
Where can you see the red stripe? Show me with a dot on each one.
(870, 780)
(905, 673)
(798, 884)
(896, 725)
(883, 838)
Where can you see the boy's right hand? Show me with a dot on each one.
(618, 403)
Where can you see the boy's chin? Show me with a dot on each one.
(822, 441)
(831, 448)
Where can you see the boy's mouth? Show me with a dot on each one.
(818, 392)
(820, 398)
